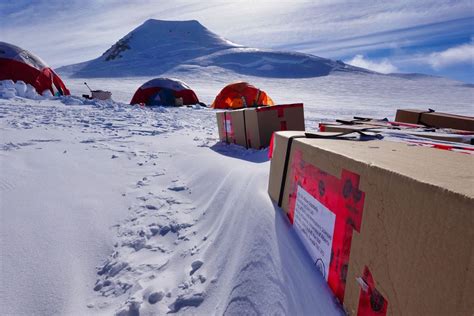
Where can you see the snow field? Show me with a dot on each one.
(139, 210)
(108, 208)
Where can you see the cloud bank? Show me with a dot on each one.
(461, 54)
(383, 66)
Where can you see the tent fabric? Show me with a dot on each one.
(240, 95)
(19, 64)
(164, 91)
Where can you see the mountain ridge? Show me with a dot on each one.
(157, 46)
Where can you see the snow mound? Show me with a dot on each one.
(10, 90)
(157, 47)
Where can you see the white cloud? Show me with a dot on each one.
(462, 54)
(79, 30)
(383, 66)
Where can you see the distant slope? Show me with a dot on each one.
(156, 47)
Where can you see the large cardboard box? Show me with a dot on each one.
(389, 225)
(253, 127)
(435, 119)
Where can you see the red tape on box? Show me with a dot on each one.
(270, 148)
(343, 198)
(371, 302)
(279, 107)
(280, 111)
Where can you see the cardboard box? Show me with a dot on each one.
(253, 127)
(447, 137)
(231, 127)
(435, 119)
(391, 226)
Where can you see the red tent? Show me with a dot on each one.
(164, 91)
(19, 64)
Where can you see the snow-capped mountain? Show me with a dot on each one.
(156, 47)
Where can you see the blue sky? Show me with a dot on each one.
(432, 37)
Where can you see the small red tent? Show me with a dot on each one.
(164, 91)
(240, 95)
(19, 64)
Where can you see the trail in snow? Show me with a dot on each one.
(208, 238)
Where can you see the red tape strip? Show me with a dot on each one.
(270, 148)
(279, 106)
(371, 302)
(280, 111)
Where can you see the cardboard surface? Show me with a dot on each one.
(263, 121)
(416, 235)
(435, 119)
(231, 127)
(253, 127)
(466, 139)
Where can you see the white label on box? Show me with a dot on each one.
(228, 126)
(314, 224)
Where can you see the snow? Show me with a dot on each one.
(110, 208)
(10, 89)
(150, 199)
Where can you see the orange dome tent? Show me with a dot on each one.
(240, 95)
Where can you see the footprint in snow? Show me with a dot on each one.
(143, 182)
(186, 300)
(195, 266)
(177, 188)
(131, 308)
(151, 207)
(155, 297)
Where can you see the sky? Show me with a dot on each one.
(424, 36)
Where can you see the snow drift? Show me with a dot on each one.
(156, 47)
(10, 89)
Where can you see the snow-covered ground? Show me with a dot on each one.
(336, 95)
(111, 208)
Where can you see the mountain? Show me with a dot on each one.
(156, 47)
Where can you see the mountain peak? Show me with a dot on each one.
(156, 38)
(156, 22)
(159, 46)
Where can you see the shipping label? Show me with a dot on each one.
(228, 125)
(228, 128)
(314, 223)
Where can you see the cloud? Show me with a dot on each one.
(79, 30)
(462, 54)
(383, 66)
